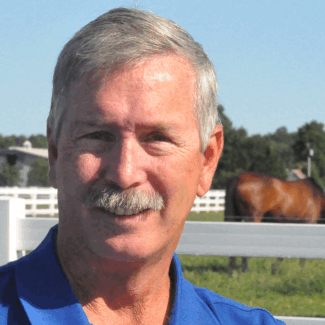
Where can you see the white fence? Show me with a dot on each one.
(213, 201)
(18, 233)
(43, 201)
(39, 200)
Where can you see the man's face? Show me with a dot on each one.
(136, 133)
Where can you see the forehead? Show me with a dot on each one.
(152, 85)
(168, 68)
(156, 70)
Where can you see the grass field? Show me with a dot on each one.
(293, 291)
(206, 216)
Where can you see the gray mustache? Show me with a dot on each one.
(111, 198)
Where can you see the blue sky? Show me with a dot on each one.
(269, 56)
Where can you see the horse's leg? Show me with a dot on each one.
(276, 265)
(302, 262)
(279, 260)
(244, 264)
(272, 217)
(232, 264)
(232, 259)
(256, 217)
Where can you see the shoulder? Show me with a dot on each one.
(8, 293)
(227, 311)
(7, 273)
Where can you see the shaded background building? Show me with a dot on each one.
(23, 157)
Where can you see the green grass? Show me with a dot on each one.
(293, 291)
(206, 216)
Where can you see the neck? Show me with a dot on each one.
(125, 292)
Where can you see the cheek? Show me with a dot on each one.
(88, 167)
(180, 177)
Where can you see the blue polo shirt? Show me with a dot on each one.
(34, 290)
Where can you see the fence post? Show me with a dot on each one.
(11, 210)
(52, 205)
(33, 196)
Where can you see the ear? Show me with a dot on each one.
(53, 156)
(210, 158)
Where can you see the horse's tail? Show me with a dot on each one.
(231, 212)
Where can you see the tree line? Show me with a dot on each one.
(37, 141)
(272, 154)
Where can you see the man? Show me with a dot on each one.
(133, 137)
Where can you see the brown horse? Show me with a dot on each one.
(254, 197)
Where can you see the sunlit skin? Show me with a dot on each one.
(136, 130)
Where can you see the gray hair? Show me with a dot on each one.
(127, 37)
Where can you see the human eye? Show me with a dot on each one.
(98, 135)
(158, 137)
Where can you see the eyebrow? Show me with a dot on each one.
(88, 123)
(101, 123)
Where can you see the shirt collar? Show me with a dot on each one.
(186, 307)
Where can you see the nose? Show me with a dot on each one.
(126, 164)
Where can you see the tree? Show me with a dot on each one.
(314, 134)
(6, 142)
(232, 158)
(38, 141)
(263, 158)
(285, 152)
(281, 141)
(11, 174)
(38, 175)
(281, 135)
(20, 140)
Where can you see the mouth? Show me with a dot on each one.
(122, 212)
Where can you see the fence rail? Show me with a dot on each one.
(252, 239)
(39, 200)
(18, 233)
(213, 200)
(43, 201)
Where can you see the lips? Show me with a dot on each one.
(125, 212)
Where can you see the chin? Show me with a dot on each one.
(122, 253)
(114, 244)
